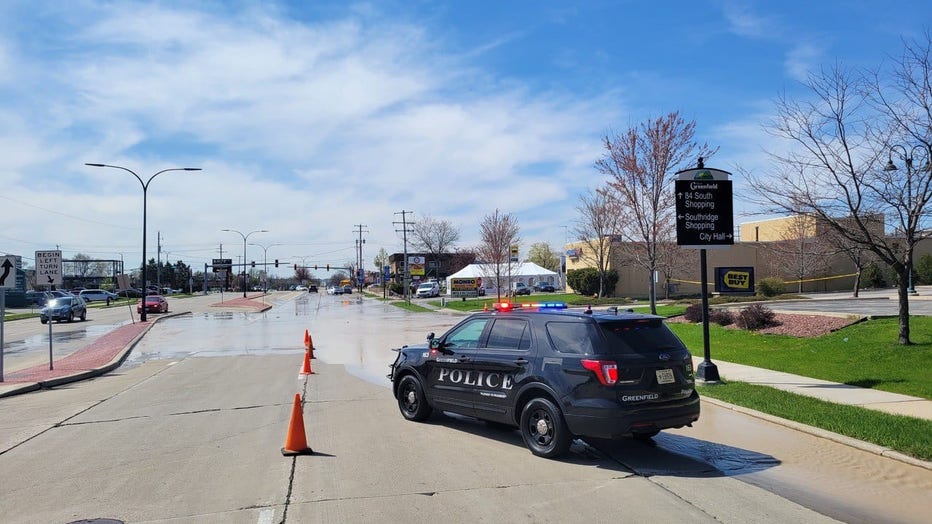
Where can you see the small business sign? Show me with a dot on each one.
(465, 287)
(48, 268)
(416, 265)
(734, 279)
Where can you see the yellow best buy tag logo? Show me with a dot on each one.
(738, 279)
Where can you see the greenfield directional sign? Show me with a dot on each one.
(222, 264)
(704, 212)
(48, 268)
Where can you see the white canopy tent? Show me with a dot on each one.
(527, 272)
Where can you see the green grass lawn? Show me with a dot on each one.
(908, 435)
(864, 354)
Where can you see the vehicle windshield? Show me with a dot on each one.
(60, 301)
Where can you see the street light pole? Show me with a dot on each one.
(265, 262)
(245, 236)
(908, 157)
(145, 188)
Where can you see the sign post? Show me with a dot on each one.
(7, 268)
(48, 272)
(704, 220)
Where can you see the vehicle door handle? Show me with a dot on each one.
(521, 361)
(462, 359)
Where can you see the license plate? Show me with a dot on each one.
(665, 376)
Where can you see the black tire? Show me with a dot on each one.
(544, 430)
(411, 400)
(83, 315)
(71, 316)
(44, 320)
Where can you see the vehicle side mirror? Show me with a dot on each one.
(430, 337)
(435, 344)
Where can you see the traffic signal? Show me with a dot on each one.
(295, 267)
(315, 267)
(253, 263)
(328, 267)
(276, 262)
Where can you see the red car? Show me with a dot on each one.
(154, 304)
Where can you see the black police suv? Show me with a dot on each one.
(554, 373)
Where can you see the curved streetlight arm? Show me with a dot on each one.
(245, 236)
(145, 187)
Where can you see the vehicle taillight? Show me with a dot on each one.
(605, 370)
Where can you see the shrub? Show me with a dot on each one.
(873, 277)
(693, 313)
(722, 317)
(923, 271)
(769, 287)
(755, 316)
(585, 281)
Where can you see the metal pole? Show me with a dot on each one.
(2, 316)
(707, 371)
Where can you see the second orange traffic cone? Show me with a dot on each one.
(306, 369)
(310, 345)
(307, 339)
(296, 439)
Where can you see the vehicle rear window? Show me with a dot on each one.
(573, 337)
(648, 335)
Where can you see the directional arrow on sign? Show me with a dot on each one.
(7, 266)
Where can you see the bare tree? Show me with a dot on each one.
(641, 165)
(800, 251)
(434, 236)
(542, 254)
(835, 169)
(498, 232)
(597, 228)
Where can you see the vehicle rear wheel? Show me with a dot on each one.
(411, 400)
(43, 320)
(71, 316)
(83, 315)
(544, 430)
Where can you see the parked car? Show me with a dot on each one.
(63, 308)
(37, 298)
(154, 304)
(618, 374)
(335, 290)
(347, 289)
(90, 295)
(129, 292)
(300, 288)
(544, 287)
(520, 288)
(428, 290)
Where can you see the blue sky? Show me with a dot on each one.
(310, 118)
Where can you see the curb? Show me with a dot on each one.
(822, 433)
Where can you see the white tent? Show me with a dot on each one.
(527, 272)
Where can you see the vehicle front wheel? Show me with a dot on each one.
(544, 430)
(43, 320)
(83, 316)
(411, 400)
(71, 316)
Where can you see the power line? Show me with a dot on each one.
(404, 232)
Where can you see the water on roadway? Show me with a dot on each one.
(833, 479)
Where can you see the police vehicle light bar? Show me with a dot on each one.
(508, 306)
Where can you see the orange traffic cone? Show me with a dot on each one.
(296, 439)
(485, 307)
(307, 339)
(310, 346)
(306, 370)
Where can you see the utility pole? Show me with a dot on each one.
(360, 271)
(158, 262)
(404, 231)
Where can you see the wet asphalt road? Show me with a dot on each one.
(190, 429)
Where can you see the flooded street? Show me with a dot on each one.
(836, 480)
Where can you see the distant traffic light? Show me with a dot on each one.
(253, 263)
(276, 262)
(315, 267)
(328, 267)
(295, 267)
